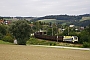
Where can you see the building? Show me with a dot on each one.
(71, 25)
(1, 21)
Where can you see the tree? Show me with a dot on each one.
(49, 31)
(21, 31)
(52, 31)
(2, 31)
(85, 35)
(7, 39)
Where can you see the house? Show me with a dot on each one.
(31, 25)
(71, 25)
(1, 21)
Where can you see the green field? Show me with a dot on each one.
(51, 20)
(85, 18)
(35, 41)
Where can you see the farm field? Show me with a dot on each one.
(18, 52)
(52, 20)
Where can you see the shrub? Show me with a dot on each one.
(3, 42)
(34, 41)
(7, 39)
(52, 43)
(1, 36)
(86, 45)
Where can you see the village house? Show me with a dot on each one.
(1, 21)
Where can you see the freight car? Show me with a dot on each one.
(56, 38)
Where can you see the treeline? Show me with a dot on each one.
(82, 23)
(63, 17)
(16, 17)
(57, 17)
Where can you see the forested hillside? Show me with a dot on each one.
(80, 20)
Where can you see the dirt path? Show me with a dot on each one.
(63, 47)
(17, 52)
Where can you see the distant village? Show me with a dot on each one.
(9, 20)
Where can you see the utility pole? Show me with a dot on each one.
(51, 25)
(52, 31)
(68, 31)
(57, 34)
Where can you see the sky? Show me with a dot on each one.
(36, 8)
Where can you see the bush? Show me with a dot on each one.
(21, 41)
(34, 41)
(7, 39)
(3, 29)
(3, 42)
(86, 45)
(1, 36)
(52, 44)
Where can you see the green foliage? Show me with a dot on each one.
(3, 42)
(7, 39)
(21, 31)
(72, 34)
(1, 35)
(3, 29)
(86, 45)
(65, 33)
(52, 31)
(1, 17)
(49, 31)
(88, 29)
(34, 41)
(84, 37)
(69, 31)
(38, 25)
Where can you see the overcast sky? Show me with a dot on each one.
(43, 7)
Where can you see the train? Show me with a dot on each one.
(72, 39)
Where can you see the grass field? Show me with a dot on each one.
(52, 20)
(35, 41)
(85, 18)
(3, 42)
(17, 52)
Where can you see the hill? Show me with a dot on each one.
(63, 17)
(80, 20)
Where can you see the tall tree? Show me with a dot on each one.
(21, 31)
(2, 31)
